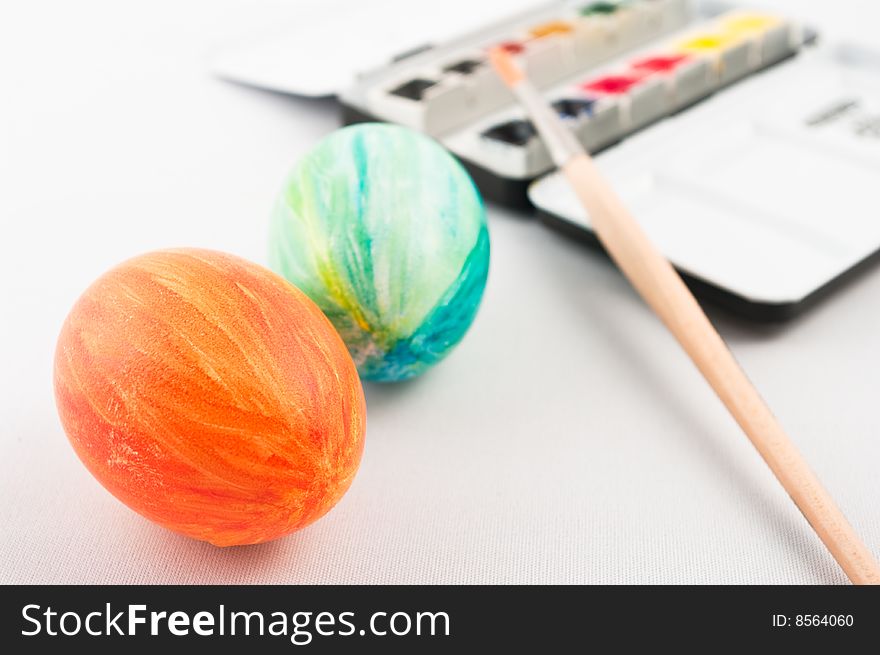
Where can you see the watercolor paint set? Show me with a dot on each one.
(748, 149)
(610, 69)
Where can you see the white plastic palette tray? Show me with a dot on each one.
(766, 193)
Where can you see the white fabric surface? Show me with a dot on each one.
(567, 440)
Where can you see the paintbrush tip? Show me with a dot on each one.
(505, 66)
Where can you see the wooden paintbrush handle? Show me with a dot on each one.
(662, 288)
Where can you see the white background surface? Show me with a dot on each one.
(566, 440)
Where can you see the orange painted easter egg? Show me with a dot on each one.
(210, 395)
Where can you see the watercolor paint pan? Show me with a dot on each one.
(464, 66)
(517, 132)
(413, 89)
(574, 108)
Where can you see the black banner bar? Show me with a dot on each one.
(432, 619)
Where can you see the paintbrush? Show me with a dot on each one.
(661, 287)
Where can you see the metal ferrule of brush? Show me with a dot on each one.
(560, 141)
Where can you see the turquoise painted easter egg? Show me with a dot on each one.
(385, 231)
